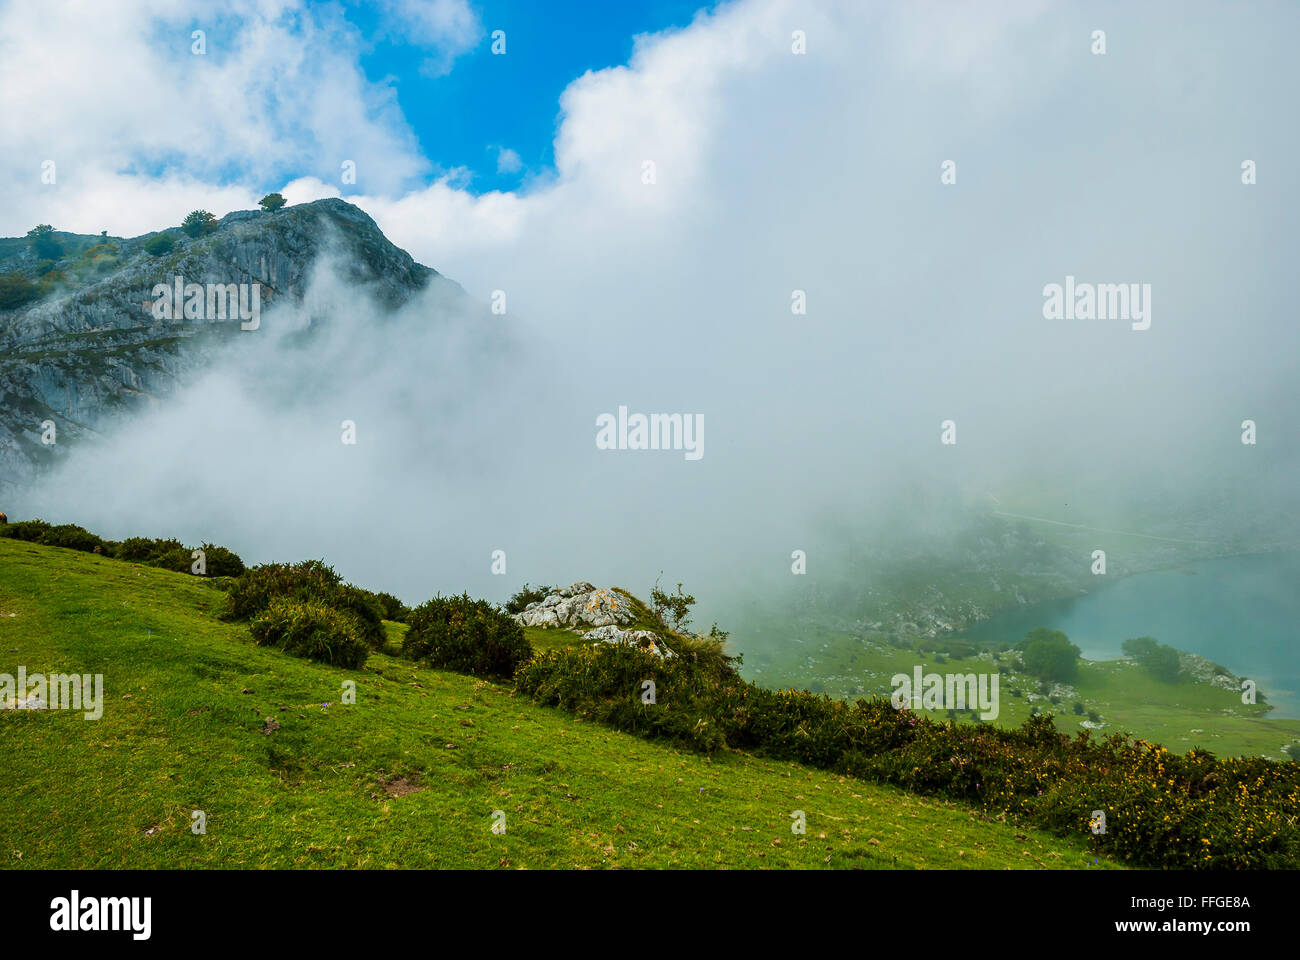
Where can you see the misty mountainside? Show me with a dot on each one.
(87, 349)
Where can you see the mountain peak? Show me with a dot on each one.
(80, 338)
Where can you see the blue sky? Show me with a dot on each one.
(488, 102)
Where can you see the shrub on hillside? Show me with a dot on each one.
(198, 222)
(171, 554)
(393, 608)
(253, 592)
(72, 537)
(159, 244)
(177, 560)
(526, 595)
(471, 636)
(43, 243)
(672, 609)
(386, 606)
(30, 530)
(222, 561)
(368, 611)
(99, 250)
(1192, 811)
(142, 549)
(15, 290)
(706, 649)
(309, 581)
(604, 683)
(307, 628)
(67, 535)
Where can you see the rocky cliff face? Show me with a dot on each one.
(90, 349)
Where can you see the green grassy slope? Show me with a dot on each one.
(406, 777)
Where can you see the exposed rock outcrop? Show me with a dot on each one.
(645, 639)
(583, 605)
(90, 350)
(578, 605)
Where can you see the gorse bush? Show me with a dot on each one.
(217, 561)
(72, 537)
(306, 628)
(393, 608)
(178, 560)
(144, 549)
(15, 290)
(368, 611)
(29, 530)
(526, 595)
(311, 580)
(707, 649)
(470, 636)
(387, 605)
(100, 250)
(605, 683)
(221, 562)
(254, 590)
(1190, 811)
(167, 554)
(66, 535)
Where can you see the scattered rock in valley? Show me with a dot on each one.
(1207, 671)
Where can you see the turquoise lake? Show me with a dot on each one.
(1241, 612)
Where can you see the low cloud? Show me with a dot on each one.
(777, 174)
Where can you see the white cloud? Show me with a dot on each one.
(778, 172)
(446, 28)
(508, 161)
(115, 97)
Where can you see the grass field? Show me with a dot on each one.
(407, 777)
(1180, 715)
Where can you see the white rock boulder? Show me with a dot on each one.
(645, 639)
(578, 605)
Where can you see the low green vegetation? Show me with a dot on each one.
(200, 718)
(1049, 654)
(1160, 661)
(160, 244)
(312, 585)
(1163, 809)
(1117, 695)
(16, 290)
(216, 561)
(310, 629)
(43, 243)
(198, 222)
(471, 636)
(526, 595)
